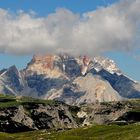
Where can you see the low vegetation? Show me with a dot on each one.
(98, 132)
(12, 101)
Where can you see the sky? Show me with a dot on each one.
(94, 27)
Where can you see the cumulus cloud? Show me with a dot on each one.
(115, 27)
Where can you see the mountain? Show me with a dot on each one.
(73, 80)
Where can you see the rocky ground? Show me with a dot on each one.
(20, 114)
(24, 114)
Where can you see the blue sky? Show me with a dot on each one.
(44, 7)
(129, 63)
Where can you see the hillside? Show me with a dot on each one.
(97, 132)
(45, 119)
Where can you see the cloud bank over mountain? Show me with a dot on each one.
(112, 28)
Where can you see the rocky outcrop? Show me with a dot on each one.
(36, 116)
(111, 112)
(28, 114)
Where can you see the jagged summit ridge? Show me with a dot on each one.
(44, 64)
(107, 64)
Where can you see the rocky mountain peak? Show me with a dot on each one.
(107, 64)
(44, 65)
(73, 80)
(58, 65)
(46, 60)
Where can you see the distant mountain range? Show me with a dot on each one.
(73, 80)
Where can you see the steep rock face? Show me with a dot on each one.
(74, 80)
(112, 112)
(53, 117)
(86, 89)
(95, 89)
(14, 119)
(58, 66)
(35, 117)
(43, 85)
(122, 84)
(100, 63)
(11, 81)
(44, 65)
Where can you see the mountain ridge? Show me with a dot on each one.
(73, 80)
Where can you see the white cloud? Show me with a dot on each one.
(106, 29)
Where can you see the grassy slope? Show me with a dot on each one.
(12, 101)
(102, 132)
